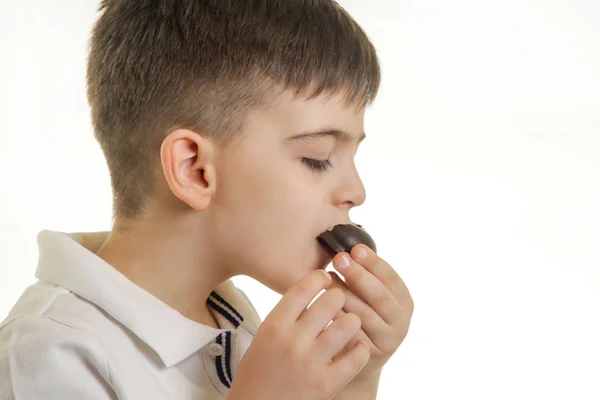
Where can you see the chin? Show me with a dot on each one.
(320, 259)
(324, 264)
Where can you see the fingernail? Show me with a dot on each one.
(343, 263)
(361, 253)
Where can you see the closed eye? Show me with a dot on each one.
(317, 165)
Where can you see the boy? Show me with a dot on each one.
(230, 129)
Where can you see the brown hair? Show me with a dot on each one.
(158, 65)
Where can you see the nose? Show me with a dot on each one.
(349, 191)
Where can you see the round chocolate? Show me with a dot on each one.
(343, 237)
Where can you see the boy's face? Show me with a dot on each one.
(270, 205)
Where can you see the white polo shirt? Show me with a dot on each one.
(84, 331)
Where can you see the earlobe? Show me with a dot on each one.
(188, 165)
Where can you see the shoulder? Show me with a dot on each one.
(33, 330)
(39, 354)
(44, 306)
(40, 339)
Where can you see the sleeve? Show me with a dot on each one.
(44, 359)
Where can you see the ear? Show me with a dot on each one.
(187, 160)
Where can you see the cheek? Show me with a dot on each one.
(270, 216)
(273, 195)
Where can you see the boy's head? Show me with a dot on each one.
(196, 105)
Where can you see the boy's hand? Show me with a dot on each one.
(377, 294)
(290, 355)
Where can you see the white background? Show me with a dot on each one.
(482, 169)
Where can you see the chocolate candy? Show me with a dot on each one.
(343, 237)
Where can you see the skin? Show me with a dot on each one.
(254, 208)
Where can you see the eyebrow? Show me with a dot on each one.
(337, 134)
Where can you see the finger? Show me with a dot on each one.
(360, 335)
(383, 271)
(297, 298)
(345, 368)
(368, 287)
(314, 320)
(372, 324)
(335, 337)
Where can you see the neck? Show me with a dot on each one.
(168, 261)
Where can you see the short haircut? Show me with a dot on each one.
(158, 65)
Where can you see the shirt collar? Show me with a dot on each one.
(69, 260)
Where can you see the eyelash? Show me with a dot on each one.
(317, 165)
